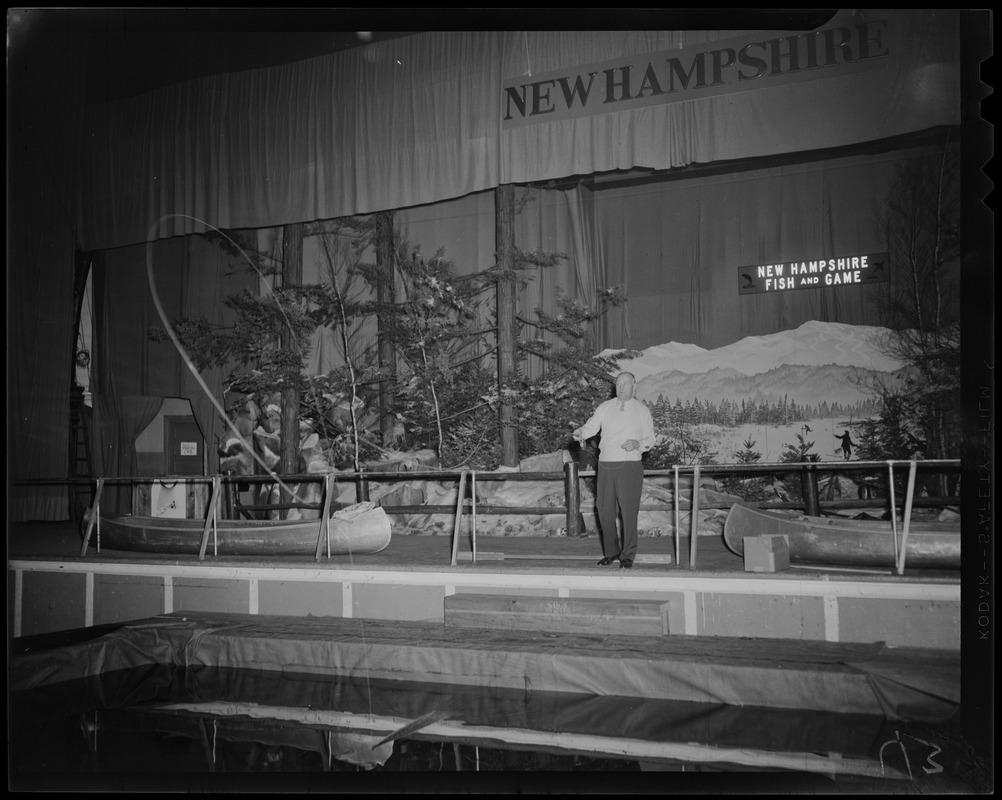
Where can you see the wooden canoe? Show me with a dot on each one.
(829, 542)
(360, 533)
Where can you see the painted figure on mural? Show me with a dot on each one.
(847, 444)
(627, 432)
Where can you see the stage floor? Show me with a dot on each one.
(55, 588)
(416, 551)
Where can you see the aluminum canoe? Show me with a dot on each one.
(829, 542)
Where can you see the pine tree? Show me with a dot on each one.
(750, 488)
(796, 453)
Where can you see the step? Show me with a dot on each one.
(557, 614)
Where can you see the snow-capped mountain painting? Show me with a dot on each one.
(825, 370)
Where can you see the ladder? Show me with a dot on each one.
(80, 455)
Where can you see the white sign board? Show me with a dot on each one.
(168, 500)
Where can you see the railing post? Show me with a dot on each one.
(894, 511)
(694, 529)
(809, 488)
(473, 518)
(675, 502)
(93, 519)
(461, 498)
(909, 498)
(572, 498)
(229, 499)
(362, 489)
(210, 519)
(324, 534)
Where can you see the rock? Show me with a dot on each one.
(345, 492)
(398, 494)
(397, 461)
(527, 493)
(268, 446)
(438, 494)
(234, 457)
(312, 458)
(520, 493)
(312, 492)
(547, 462)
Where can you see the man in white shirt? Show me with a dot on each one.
(627, 432)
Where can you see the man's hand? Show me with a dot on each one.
(630, 445)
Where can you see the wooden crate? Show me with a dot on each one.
(558, 614)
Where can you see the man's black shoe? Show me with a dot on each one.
(626, 563)
(607, 561)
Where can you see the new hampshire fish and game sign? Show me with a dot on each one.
(821, 273)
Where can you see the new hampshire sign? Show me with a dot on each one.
(814, 274)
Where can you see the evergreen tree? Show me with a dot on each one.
(749, 455)
(920, 221)
(750, 488)
(795, 453)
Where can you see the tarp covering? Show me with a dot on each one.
(348, 719)
(777, 674)
(658, 720)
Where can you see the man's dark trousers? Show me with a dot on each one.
(619, 486)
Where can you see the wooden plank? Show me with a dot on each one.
(481, 556)
(210, 519)
(557, 614)
(459, 516)
(641, 558)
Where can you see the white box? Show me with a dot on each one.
(766, 553)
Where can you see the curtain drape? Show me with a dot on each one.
(209, 276)
(393, 124)
(555, 221)
(677, 246)
(420, 119)
(192, 279)
(41, 240)
(915, 87)
(118, 421)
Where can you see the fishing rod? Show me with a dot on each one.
(248, 446)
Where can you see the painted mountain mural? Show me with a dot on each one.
(815, 380)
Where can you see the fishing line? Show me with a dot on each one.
(249, 447)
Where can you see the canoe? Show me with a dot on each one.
(879, 524)
(355, 530)
(829, 542)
